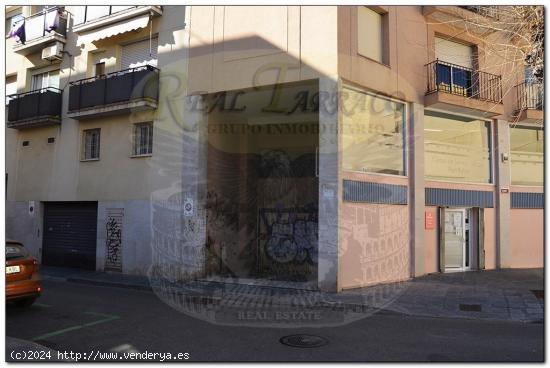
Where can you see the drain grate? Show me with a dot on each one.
(470, 307)
(539, 294)
(303, 341)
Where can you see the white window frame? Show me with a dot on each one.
(136, 146)
(41, 73)
(84, 151)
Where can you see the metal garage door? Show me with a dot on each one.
(70, 231)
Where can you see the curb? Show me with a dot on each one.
(78, 280)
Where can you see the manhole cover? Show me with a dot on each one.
(470, 307)
(539, 294)
(303, 341)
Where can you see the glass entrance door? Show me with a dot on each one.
(456, 257)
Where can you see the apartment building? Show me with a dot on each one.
(331, 147)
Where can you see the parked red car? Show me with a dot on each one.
(23, 283)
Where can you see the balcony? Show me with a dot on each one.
(35, 108)
(529, 102)
(89, 18)
(116, 93)
(479, 19)
(454, 88)
(37, 33)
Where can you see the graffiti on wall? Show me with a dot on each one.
(113, 257)
(288, 241)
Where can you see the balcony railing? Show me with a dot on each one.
(94, 12)
(38, 107)
(490, 11)
(530, 96)
(37, 25)
(462, 81)
(125, 86)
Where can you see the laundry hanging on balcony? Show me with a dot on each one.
(52, 21)
(18, 32)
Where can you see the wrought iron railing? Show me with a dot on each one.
(121, 86)
(490, 11)
(458, 80)
(529, 96)
(36, 25)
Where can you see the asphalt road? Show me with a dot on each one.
(86, 319)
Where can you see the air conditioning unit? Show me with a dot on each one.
(53, 52)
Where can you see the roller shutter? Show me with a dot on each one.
(70, 233)
(453, 52)
(139, 53)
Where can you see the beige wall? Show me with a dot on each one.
(403, 76)
(245, 46)
(116, 176)
(527, 238)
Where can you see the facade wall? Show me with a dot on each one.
(44, 171)
(245, 46)
(527, 238)
(203, 50)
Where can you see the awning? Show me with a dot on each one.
(114, 29)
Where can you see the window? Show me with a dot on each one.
(139, 53)
(370, 34)
(373, 134)
(11, 21)
(90, 144)
(527, 155)
(11, 86)
(99, 69)
(456, 148)
(44, 80)
(143, 139)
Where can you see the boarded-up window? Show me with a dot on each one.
(370, 37)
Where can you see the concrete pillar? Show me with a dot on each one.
(329, 188)
(502, 176)
(415, 138)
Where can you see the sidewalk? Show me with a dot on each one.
(509, 295)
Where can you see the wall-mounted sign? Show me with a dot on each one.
(188, 207)
(429, 220)
(31, 208)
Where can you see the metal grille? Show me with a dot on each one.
(91, 144)
(143, 139)
(458, 198)
(358, 191)
(527, 200)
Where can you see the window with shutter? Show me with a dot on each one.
(453, 52)
(370, 34)
(139, 53)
